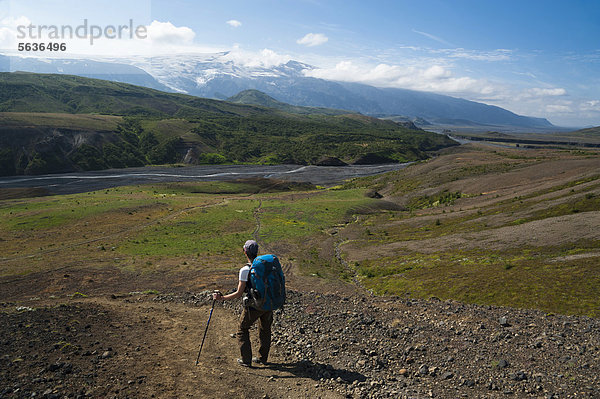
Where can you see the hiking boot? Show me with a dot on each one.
(243, 364)
(258, 361)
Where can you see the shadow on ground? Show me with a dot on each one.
(315, 371)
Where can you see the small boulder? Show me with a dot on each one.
(504, 321)
(519, 376)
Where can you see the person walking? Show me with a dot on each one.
(250, 315)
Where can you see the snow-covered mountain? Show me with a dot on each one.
(208, 75)
(222, 75)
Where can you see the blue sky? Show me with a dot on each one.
(538, 58)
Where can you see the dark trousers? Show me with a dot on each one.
(265, 319)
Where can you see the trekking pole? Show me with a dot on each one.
(205, 331)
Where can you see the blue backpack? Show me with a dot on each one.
(267, 283)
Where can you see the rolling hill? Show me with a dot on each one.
(258, 98)
(29, 92)
(58, 123)
(589, 132)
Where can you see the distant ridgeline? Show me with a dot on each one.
(61, 123)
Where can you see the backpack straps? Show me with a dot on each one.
(248, 281)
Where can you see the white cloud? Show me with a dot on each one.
(8, 31)
(234, 23)
(265, 58)
(495, 55)
(591, 105)
(12, 22)
(313, 39)
(436, 72)
(557, 108)
(538, 92)
(167, 33)
(161, 38)
(435, 78)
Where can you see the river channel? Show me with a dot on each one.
(71, 183)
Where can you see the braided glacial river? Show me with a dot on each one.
(78, 182)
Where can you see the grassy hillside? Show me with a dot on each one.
(61, 121)
(589, 132)
(30, 92)
(580, 138)
(57, 123)
(475, 224)
(256, 97)
(486, 226)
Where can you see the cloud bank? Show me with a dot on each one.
(265, 58)
(435, 78)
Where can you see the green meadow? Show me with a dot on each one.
(204, 231)
(195, 223)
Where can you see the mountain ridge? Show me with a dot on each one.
(221, 76)
(288, 83)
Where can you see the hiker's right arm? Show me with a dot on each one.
(240, 291)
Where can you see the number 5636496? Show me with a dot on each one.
(50, 46)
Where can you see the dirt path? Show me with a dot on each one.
(324, 346)
(169, 357)
(339, 242)
(132, 346)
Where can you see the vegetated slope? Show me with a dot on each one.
(29, 92)
(561, 138)
(488, 226)
(589, 132)
(256, 97)
(165, 128)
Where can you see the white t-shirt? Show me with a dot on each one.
(244, 271)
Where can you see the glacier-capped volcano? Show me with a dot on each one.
(223, 75)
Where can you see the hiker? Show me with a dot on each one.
(250, 314)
